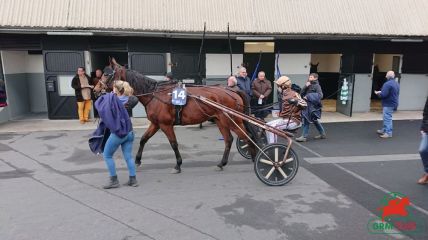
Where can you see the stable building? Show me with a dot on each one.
(42, 44)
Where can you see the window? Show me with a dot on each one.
(256, 47)
(64, 85)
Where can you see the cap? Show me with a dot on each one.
(284, 80)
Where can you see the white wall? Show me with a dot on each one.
(24, 77)
(218, 65)
(34, 64)
(294, 63)
(36, 83)
(327, 62)
(413, 91)
(14, 62)
(362, 93)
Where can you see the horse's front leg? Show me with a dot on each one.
(170, 134)
(153, 128)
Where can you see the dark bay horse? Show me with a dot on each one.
(156, 99)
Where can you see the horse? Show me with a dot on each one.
(156, 98)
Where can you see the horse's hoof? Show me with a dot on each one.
(175, 171)
(218, 168)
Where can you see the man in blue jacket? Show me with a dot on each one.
(244, 83)
(389, 95)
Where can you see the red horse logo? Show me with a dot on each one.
(395, 206)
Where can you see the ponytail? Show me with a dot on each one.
(123, 88)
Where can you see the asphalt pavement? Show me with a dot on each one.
(50, 185)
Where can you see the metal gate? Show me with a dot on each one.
(347, 75)
(185, 66)
(148, 63)
(60, 67)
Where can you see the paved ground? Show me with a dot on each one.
(50, 188)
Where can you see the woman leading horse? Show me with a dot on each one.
(156, 98)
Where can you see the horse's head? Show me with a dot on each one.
(111, 73)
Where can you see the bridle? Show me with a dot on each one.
(109, 78)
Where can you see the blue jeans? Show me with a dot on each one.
(387, 120)
(306, 127)
(112, 144)
(423, 151)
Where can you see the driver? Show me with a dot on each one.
(292, 104)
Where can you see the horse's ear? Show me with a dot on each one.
(109, 61)
(113, 61)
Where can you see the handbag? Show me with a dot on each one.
(98, 139)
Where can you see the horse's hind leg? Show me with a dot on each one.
(228, 140)
(153, 128)
(170, 134)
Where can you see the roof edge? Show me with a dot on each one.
(209, 35)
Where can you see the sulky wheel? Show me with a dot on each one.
(272, 170)
(243, 148)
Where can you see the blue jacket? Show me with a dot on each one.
(389, 93)
(114, 115)
(313, 111)
(245, 85)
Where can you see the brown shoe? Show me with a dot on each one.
(424, 179)
(385, 135)
(82, 121)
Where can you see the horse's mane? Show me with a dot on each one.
(140, 83)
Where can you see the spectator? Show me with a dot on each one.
(389, 95)
(244, 83)
(312, 93)
(232, 83)
(261, 88)
(423, 148)
(83, 86)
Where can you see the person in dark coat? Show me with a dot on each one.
(83, 86)
(261, 88)
(244, 83)
(232, 83)
(312, 93)
(423, 148)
